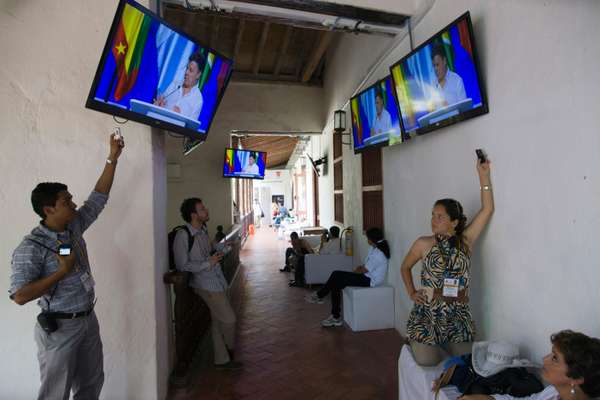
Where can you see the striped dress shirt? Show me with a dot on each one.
(204, 275)
(32, 262)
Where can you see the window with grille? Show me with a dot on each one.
(338, 179)
(372, 189)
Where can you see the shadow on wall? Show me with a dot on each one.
(477, 295)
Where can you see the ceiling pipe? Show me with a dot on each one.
(333, 23)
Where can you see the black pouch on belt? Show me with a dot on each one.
(47, 322)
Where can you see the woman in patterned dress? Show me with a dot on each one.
(441, 318)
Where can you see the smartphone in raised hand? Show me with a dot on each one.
(117, 133)
(481, 156)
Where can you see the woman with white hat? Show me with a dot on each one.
(441, 317)
(572, 369)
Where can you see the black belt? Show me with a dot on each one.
(62, 315)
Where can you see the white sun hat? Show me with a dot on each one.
(489, 358)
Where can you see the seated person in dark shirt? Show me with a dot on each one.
(220, 235)
(300, 248)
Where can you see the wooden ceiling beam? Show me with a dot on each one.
(336, 10)
(315, 56)
(238, 40)
(268, 139)
(277, 147)
(261, 47)
(270, 148)
(239, 76)
(284, 46)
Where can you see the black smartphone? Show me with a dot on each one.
(481, 156)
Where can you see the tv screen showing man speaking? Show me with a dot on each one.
(375, 118)
(438, 84)
(153, 74)
(244, 164)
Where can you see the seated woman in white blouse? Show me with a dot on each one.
(371, 274)
(572, 369)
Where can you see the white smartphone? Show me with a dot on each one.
(117, 133)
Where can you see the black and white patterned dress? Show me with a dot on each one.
(438, 322)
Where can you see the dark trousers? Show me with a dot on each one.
(299, 272)
(288, 253)
(337, 281)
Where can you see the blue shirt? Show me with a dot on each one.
(32, 262)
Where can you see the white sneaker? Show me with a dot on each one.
(332, 321)
(313, 298)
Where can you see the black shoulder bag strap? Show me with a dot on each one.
(190, 238)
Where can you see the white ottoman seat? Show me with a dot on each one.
(369, 308)
(414, 381)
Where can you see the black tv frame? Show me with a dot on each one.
(483, 109)
(381, 144)
(93, 104)
(244, 177)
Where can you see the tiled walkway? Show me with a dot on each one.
(286, 354)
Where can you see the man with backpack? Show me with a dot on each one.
(193, 252)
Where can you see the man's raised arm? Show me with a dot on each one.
(108, 174)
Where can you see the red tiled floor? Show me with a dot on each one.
(286, 354)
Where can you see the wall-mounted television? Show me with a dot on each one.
(375, 117)
(439, 83)
(244, 164)
(152, 73)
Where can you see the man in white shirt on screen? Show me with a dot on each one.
(185, 98)
(251, 167)
(383, 121)
(450, 87)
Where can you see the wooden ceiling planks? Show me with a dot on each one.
(278, 148)
(261, 49)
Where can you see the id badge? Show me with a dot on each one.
(87, 281)
(450, 287)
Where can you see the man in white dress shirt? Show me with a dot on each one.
(251, 167)
(185, 98)
(449, 87)
(383, 121)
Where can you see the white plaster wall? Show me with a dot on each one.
(347, 67)
(279, 185)
(50, 53)
(248, 106)
(534, 268)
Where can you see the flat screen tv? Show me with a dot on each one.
(439, 83)
(375, 118)
(244, 164)
(152, 73)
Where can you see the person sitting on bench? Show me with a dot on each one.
(371, 274)
(333, 245)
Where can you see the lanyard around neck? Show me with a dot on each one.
(448, 262)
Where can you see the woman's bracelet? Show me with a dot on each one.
(486, 188)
